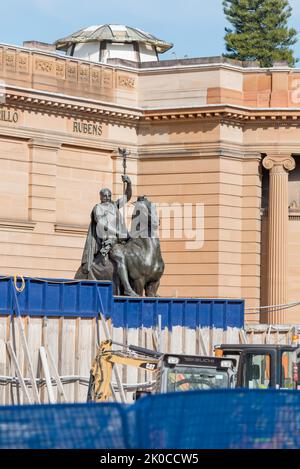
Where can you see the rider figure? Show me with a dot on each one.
(107, 226)
(107, 239)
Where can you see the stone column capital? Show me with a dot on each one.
(279, 163)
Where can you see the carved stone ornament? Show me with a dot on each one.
(107, 79)
(84, 73)
(71, 71)
(95, 77)
(60, 69)
(23, 63)
(126, 82)
(294, 207)
(10, 60)
(279, 163)
(43, 66)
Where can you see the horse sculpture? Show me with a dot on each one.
(135, 266)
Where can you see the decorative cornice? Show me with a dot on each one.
(92, 110)
(294, 216)
(244, 116)
(65, 108)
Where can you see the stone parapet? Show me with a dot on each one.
(219, 80)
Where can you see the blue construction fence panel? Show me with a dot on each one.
(86, 298)
(215, 419)
(56, 297)
(184, 312)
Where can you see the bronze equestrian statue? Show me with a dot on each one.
(132, 261)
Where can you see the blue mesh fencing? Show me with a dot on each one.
(66, 426)
(223, 419)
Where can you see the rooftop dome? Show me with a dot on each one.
(101, 42)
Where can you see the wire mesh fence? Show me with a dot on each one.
(223, 419)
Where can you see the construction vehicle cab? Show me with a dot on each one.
(170, 372)
(264, 366)
(190, 372)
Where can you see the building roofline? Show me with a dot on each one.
(199, 62)
(165, 65)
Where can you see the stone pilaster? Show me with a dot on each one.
(42, 180)
(278, 216)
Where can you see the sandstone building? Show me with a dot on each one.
(205, 131)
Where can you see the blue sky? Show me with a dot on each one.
(196, 27)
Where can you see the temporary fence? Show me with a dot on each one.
(272, 334)
(215, 419)
(50, 329)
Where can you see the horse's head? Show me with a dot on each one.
(145, 221)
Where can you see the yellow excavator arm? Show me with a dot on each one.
(101, 371)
